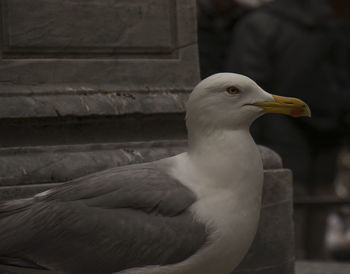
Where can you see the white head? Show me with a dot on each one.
(229, 101)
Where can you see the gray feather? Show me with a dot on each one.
(110, 221)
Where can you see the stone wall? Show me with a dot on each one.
(85, 75)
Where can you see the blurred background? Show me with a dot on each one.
(295, 48)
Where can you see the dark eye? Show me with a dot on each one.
(233, 90)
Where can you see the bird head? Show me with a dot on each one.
(233, 101)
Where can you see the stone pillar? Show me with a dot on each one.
(82, 76)
(272, 251)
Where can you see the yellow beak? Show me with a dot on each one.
(285, 105)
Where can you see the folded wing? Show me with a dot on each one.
(121, 218)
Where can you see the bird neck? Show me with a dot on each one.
(229, 154)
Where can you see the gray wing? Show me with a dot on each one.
(106, 222)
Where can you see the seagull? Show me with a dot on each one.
(193, 213)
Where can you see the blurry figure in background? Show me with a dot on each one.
(215, 24)
(338, 225)
(338, 235)
(301, 48)
(342, 181)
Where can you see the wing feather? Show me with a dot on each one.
(106, 222)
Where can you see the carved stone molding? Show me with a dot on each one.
(96, 57)
(89, 29)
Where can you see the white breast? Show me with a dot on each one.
(231, 212)
(229, 203)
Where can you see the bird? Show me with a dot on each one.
(193, 213)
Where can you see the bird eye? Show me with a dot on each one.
(233, 90)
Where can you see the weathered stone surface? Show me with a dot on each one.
(94, 130)
(84, 29)
(271, 159)
(272, 251)
(82, 101)
(89, 25)
(89, 57)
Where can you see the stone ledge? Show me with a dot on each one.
(39, 102)
(54, 164)
(272, 251)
